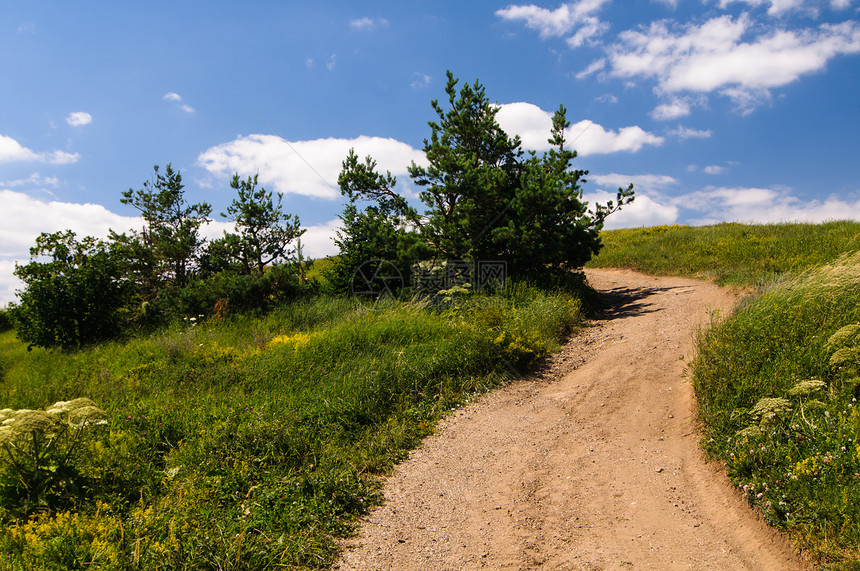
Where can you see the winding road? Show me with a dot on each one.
(592, 464)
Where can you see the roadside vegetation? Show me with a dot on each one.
(778, 381)
(243, 443)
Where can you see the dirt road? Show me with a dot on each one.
(594, 465)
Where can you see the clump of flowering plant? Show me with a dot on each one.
(36, 451)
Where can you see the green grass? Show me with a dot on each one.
(253, 443)
(728, 253)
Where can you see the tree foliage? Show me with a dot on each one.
(265, 232)
(166, 249)
(474, 170)
(89, 291)
(73, 299)
(382, 230)
(485, 198)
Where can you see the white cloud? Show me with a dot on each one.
(775, 7)
(715, 56)
(421, 81)
(12, 151)
(368, 23)
(650, 182)
(607, 98)
(677, 108)
(8, 282)
(34, 180)
(685, 133)
(593, 67)
(765, 205)
(318, 242)
(533, 125)
(331, 63)
(714, 169)
(310, 168)
(561, 21)
(26, 217)
(176, 98)
(79, 118)
(643, 211)
(590, 28)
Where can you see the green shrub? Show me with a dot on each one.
(5, 320)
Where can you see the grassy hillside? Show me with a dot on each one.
(242, 443)
(778, 381)
(728, 253)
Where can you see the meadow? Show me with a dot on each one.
(778, 381)
(728, 253)
(243, 442)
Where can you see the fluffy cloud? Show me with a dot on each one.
(533, 125)
(556, 22)
(26, 217)
(644, 211)
(79, 118)
(765, 205)
(13, 151)
(715, 56)
(677, 108)
(310, 168)
(566, 18)
(318, 242)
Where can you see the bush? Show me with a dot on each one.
(5, 320)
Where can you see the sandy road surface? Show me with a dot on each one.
(594, 465)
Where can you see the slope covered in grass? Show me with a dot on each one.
(244, 443)
(778, 390)
(728, 253)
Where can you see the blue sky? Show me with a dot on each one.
(716, 110)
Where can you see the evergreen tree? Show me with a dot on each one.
(472, 176)
(167, 248)
(265, 231)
